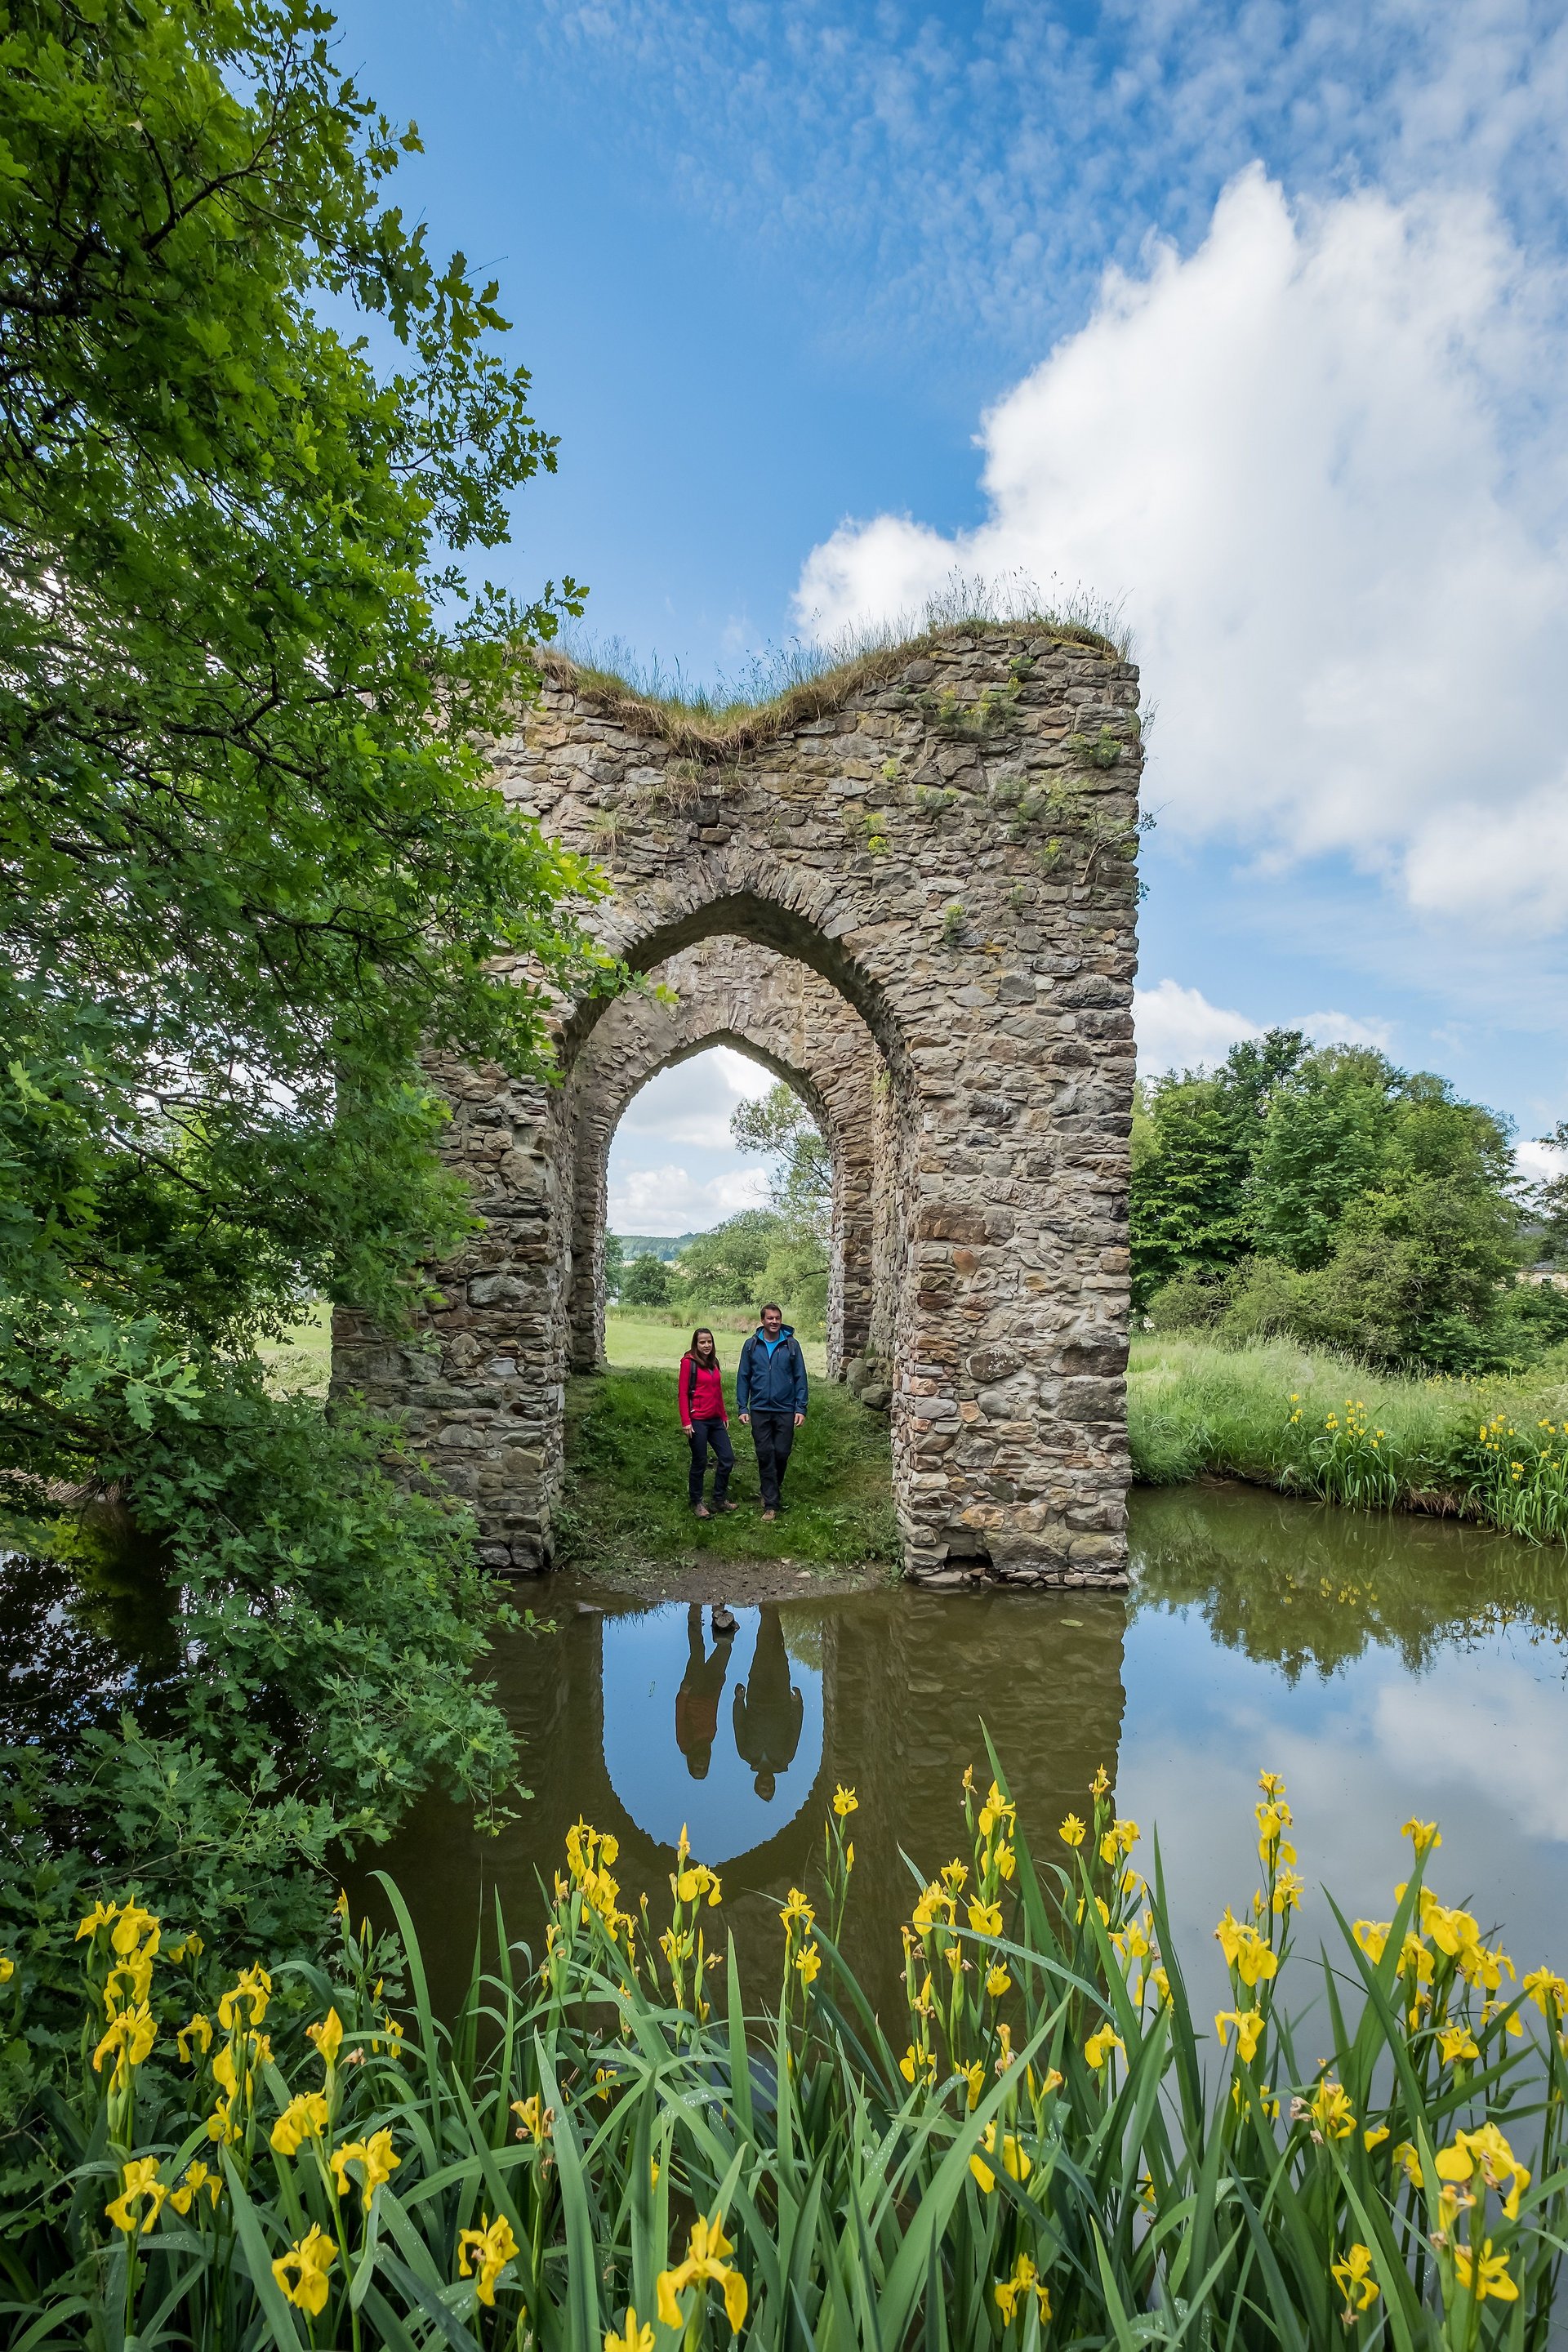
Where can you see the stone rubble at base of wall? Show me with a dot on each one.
(947, 851)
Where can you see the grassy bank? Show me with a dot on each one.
(614, 2147)
(626, 1483)
(1493, 1449)
(653, 1336)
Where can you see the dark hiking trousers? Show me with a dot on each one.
(773, 1434)
(706, 1433)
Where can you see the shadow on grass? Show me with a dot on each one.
(626, 1461)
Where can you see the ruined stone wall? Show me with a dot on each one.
(786, 1017)
(947, 842)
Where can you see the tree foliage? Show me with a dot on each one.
(249, 872)
(248, 864)
(1331, 1195)
(781, 1128)
(727, 1267)
(644, 1281)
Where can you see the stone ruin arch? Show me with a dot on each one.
(732, 991)
(943, 835)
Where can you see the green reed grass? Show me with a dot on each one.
(611, 2145)
(815, 674)
(1491, 1449)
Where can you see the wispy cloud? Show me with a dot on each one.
(975, 171)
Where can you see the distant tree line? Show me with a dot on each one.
(1324, 1194)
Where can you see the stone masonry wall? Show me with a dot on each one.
(948, 843)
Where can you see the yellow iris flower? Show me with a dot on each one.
(1015, 2163)
(1486, 2276)
(1331, 2111)
(376, 2160)
(1099, 2046)
(252, 1990)
(196, 2035)
(1248, 2024)
(328, 2037)
(1010, 2291)
(139, 2183)
(302, 2273)
(305, 2117)
(1488, 2153)
(705, 2252)
(492, 2246)
(1354, 2278)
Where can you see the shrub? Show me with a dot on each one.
(646, 1281)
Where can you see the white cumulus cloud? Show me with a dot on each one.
(1178, 1029)
(692, 1102)
(1321, 457)
(669, 1201)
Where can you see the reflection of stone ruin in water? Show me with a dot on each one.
(907, 1682)
(914, 896)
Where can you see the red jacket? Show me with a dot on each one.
(701, 1392)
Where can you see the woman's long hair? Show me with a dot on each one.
(696, 1335)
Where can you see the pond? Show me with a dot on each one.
(1385, 1666)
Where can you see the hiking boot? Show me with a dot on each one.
(703, 1512)
(770, 1515)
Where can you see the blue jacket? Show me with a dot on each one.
(770, 1383)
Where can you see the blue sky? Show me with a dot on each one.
(1250, 315)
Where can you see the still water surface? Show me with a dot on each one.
(1385, 1666)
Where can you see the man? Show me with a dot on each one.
(770, 1390)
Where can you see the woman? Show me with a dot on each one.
(706, 1422)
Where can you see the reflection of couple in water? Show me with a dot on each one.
(768, 1709)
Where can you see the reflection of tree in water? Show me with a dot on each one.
(1295, 1584)
(82, 1640)
(768, 1709)
(802, 1631)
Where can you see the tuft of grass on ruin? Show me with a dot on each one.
(790, 685)
(1493, 1449)
(627, 1459)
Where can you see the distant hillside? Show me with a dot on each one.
(665, 1245)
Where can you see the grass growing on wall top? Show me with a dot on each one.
(794, 683)
(625, 1502)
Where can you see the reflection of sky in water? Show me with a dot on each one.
(664, 1691)
(1477, 1738)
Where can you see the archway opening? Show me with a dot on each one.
(734, 1034)
(720, 1193)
